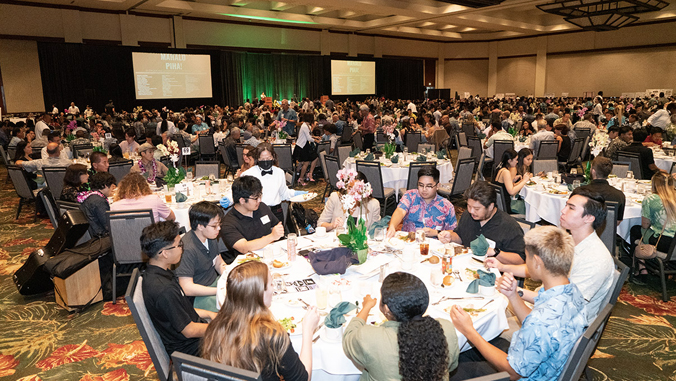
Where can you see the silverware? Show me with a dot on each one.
(306, 306)
(484, 306)
(445, 298)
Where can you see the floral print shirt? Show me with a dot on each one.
(437, 215)
(540, 349)
(653, 209)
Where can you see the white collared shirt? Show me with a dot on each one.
(274, 186)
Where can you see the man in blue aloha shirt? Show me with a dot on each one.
(540, 349)
(288, 115)
(423, 208)
(199, 126)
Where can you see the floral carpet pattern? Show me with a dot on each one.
(41, 341)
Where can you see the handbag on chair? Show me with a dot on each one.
(646, 250)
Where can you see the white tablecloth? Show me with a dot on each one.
(540, 204)
(328, 357)
(181, 209)
(396, 175)
(663, 162)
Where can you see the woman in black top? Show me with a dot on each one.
(561, 132)
(75, 181)
(23, 151)
(94, 203)
(246, 335)
(505, 179)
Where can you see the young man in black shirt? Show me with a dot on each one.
(601, 168)
(179, 325)
(250, 225)
(503, 233)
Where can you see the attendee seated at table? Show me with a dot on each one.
(178, 323)
(544, 133)
(230, 145)
(246, 335)
(99, 161)
(115, 153)
(526, 129)
(408, 346)
(201, 264)
(646, 155)
(655, 138)
(624, 138)
(74, 181)
(334, 215)
(564, 147)
(250, 225)
(423, 208)
(331, 137)
(133, 192)
(249, 156)
(64, 153)
(540, 349)
(147, 166)
(23, 152)
(94, 203)
(658, 217)
(592, 270)
(129, 145)
(600, 169)
(503, 233)
(274, 179)
(510, 187)
(524, 162)
(497, 133)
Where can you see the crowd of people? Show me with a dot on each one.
(574, 267)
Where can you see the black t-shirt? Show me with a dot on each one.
(290, 368)
(197, 262)
(647, 158)
(235, 226)
(501, 228)
(170, 310)
(609, 193)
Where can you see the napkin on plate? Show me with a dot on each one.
(441, 154)
(369, 157)
(355, 152)
(394, 159)
(180, 197)
(479, 246)
(486, 279)
(421, 158)
(336, 317)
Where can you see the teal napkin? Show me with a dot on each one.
(421, 158)
(336, 317)
(382, 223)
(479, 246)
(369, 157)
(441, 154)
(355, 152)
(394, 159)
(486, 279)
(180, 197)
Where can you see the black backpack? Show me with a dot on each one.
(302, 221)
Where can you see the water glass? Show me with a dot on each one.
(188, 174)
(322, 296)
(630, 175)
(576, 183)
(379, 234)
(339, 230)
(268, 254)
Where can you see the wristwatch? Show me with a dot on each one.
(519, 291)
(497, 252)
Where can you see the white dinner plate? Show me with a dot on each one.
(303, 197)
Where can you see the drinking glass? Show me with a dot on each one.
(576, 183)
(379, 234)
(322, 296)
(188, 174)
(630, 175)
(339, 230)
(268, 254)
(573, 171)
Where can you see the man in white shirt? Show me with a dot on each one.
(55, 137)
(411, 106)
(662, 118)
(593, 266)
(53, 160)
(73, 110)
(42, 127)
(498, 133)
(543, 133)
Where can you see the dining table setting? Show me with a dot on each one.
(451, 273)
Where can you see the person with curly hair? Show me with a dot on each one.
(409, 346)
(133, 192)
(246, 335)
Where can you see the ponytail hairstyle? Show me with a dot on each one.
(423, 349)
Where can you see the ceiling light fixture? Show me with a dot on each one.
(268, 19)
(601, 15)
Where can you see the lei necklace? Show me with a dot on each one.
(151, 177)
(82, 196)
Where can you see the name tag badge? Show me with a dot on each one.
(437, 228)
(265, 220)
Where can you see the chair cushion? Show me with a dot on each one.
(444, 189)
(388, 192)
(402, 191)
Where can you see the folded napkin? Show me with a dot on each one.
(441, 154)
(394, 159)
(382, 223)
(355, 152)
(336, 317)
(486, 279)
(369, 157)
(479, 246)
(421, 158)
(334, 261)
(180, 197)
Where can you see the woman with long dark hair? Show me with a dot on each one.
(409, 346)
(510, 188)
(245, 334)
(523, 163)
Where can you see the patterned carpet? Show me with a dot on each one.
(40, 341)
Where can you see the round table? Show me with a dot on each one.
(181, 209)
(329, 360)
(396, 175)
(542, 204)
(663, 161)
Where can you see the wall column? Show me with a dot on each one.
(72, 26)
(492, 69)
(325, 42)
(127, 30)
(541, 66)
(351, 45)
(441, 59)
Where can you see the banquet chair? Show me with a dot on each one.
(412, 141)
(82, 150)
(584, 347)
(663, 265)
(37, 153)
(476, 146)
(5, 156)
(463, 153)
(575, 151)
(125, 234)
(23, 190)
(525, 225)
(50, 205)
(343, 154)
(239, 148)
(332, 168)
(322, 162)
(54, 179)
(284, 157)
(191, 368)
(137, 307)
(425, 146)
(381, 138)
(545, 165)
(607, 231)
(374, 174)
(548, 149)
(500, 200)
(462, 180)
(620, 168)
(207, 168)
(585, 149)
(620, 275)
(358, 141)
(499, 148)
(502, 376)
(439, 137)
(206, 147)
(346, 137)
(461, 139)
(468, 129)
(582, 133)
(635, 159)
(480, 168)
(413, 169)
(120, 169)
(324, 147)
(226, 159)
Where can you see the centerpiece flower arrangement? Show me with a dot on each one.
(581, 112)
(281, 134)
(356, 191)
(175, 174)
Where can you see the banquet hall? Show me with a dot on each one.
(380, 84)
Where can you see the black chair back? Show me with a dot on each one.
(548, 149)
(120, 169)
(358, 141)
(207, 168)
(346, 137)
(412, 141)
(332, 168)
(475, 144)
(468, 129)
(620, 168)
(206, 145)
(191, 368)
(635, 159)
(54, 179)
(284, 156)
(499, 148)
(372, 171)
(413, 170)
(463, 176)
(576, 151)
(82, 150)
(608, 229)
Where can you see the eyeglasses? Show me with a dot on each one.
(257, 198)
(426, 186)
(180, 245)
(217, 226)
